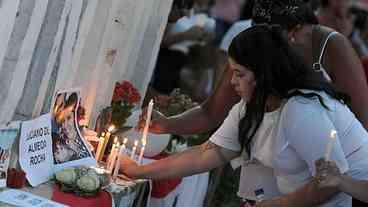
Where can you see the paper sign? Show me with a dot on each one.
(69, 147)
(35, 150)
(25, 199)
(7, 136)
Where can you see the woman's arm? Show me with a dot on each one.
(348, 75)
(203, 118)
(356, 188)
(192, 161)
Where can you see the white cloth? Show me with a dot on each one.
(300, 139)
(234, 30)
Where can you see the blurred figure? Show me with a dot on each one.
(359, 11)
(182, 32)
(335, 14)
(226, 12)
(244, 23)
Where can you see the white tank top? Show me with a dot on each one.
(318, 67)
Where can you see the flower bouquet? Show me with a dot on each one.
(125, 98)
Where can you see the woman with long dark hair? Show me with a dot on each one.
(285, 128)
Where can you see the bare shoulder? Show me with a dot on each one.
(337, 42)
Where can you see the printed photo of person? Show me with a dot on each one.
(67, 141)
(4, 155)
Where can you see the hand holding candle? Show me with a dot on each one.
(330, 145)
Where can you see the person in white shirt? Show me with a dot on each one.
(282, 132)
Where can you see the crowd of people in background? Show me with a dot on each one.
(209, 46)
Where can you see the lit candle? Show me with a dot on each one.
(113, 157)
(134, 149)
(109, 159)
(142, 152)
(124, 143)
(330, 145)
(148, 120)
(99, 147)
(107, 138)
(117, 166)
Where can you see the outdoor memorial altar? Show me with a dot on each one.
(52, 161)
(55, 160)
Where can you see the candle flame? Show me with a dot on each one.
(333, 134)
(125, 140)
(111, 128)
(151, 102)
(116, 140)
(102, 134)
(136, 143)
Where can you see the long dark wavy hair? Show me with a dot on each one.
(278, 71)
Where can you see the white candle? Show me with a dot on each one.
(109, 130)
(148, 120)
(113, 157)
(99, 147)
(107, 138)
(330, 145)
(112, 151)
(142, 152)
(113, 147)
(117, 165)
(134, 149)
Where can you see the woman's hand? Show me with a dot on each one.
(158, 125)
(129, 167)
(328, 174)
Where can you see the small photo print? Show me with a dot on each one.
(67, 141)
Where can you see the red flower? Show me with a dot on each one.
(123, 101)
(126, 92)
